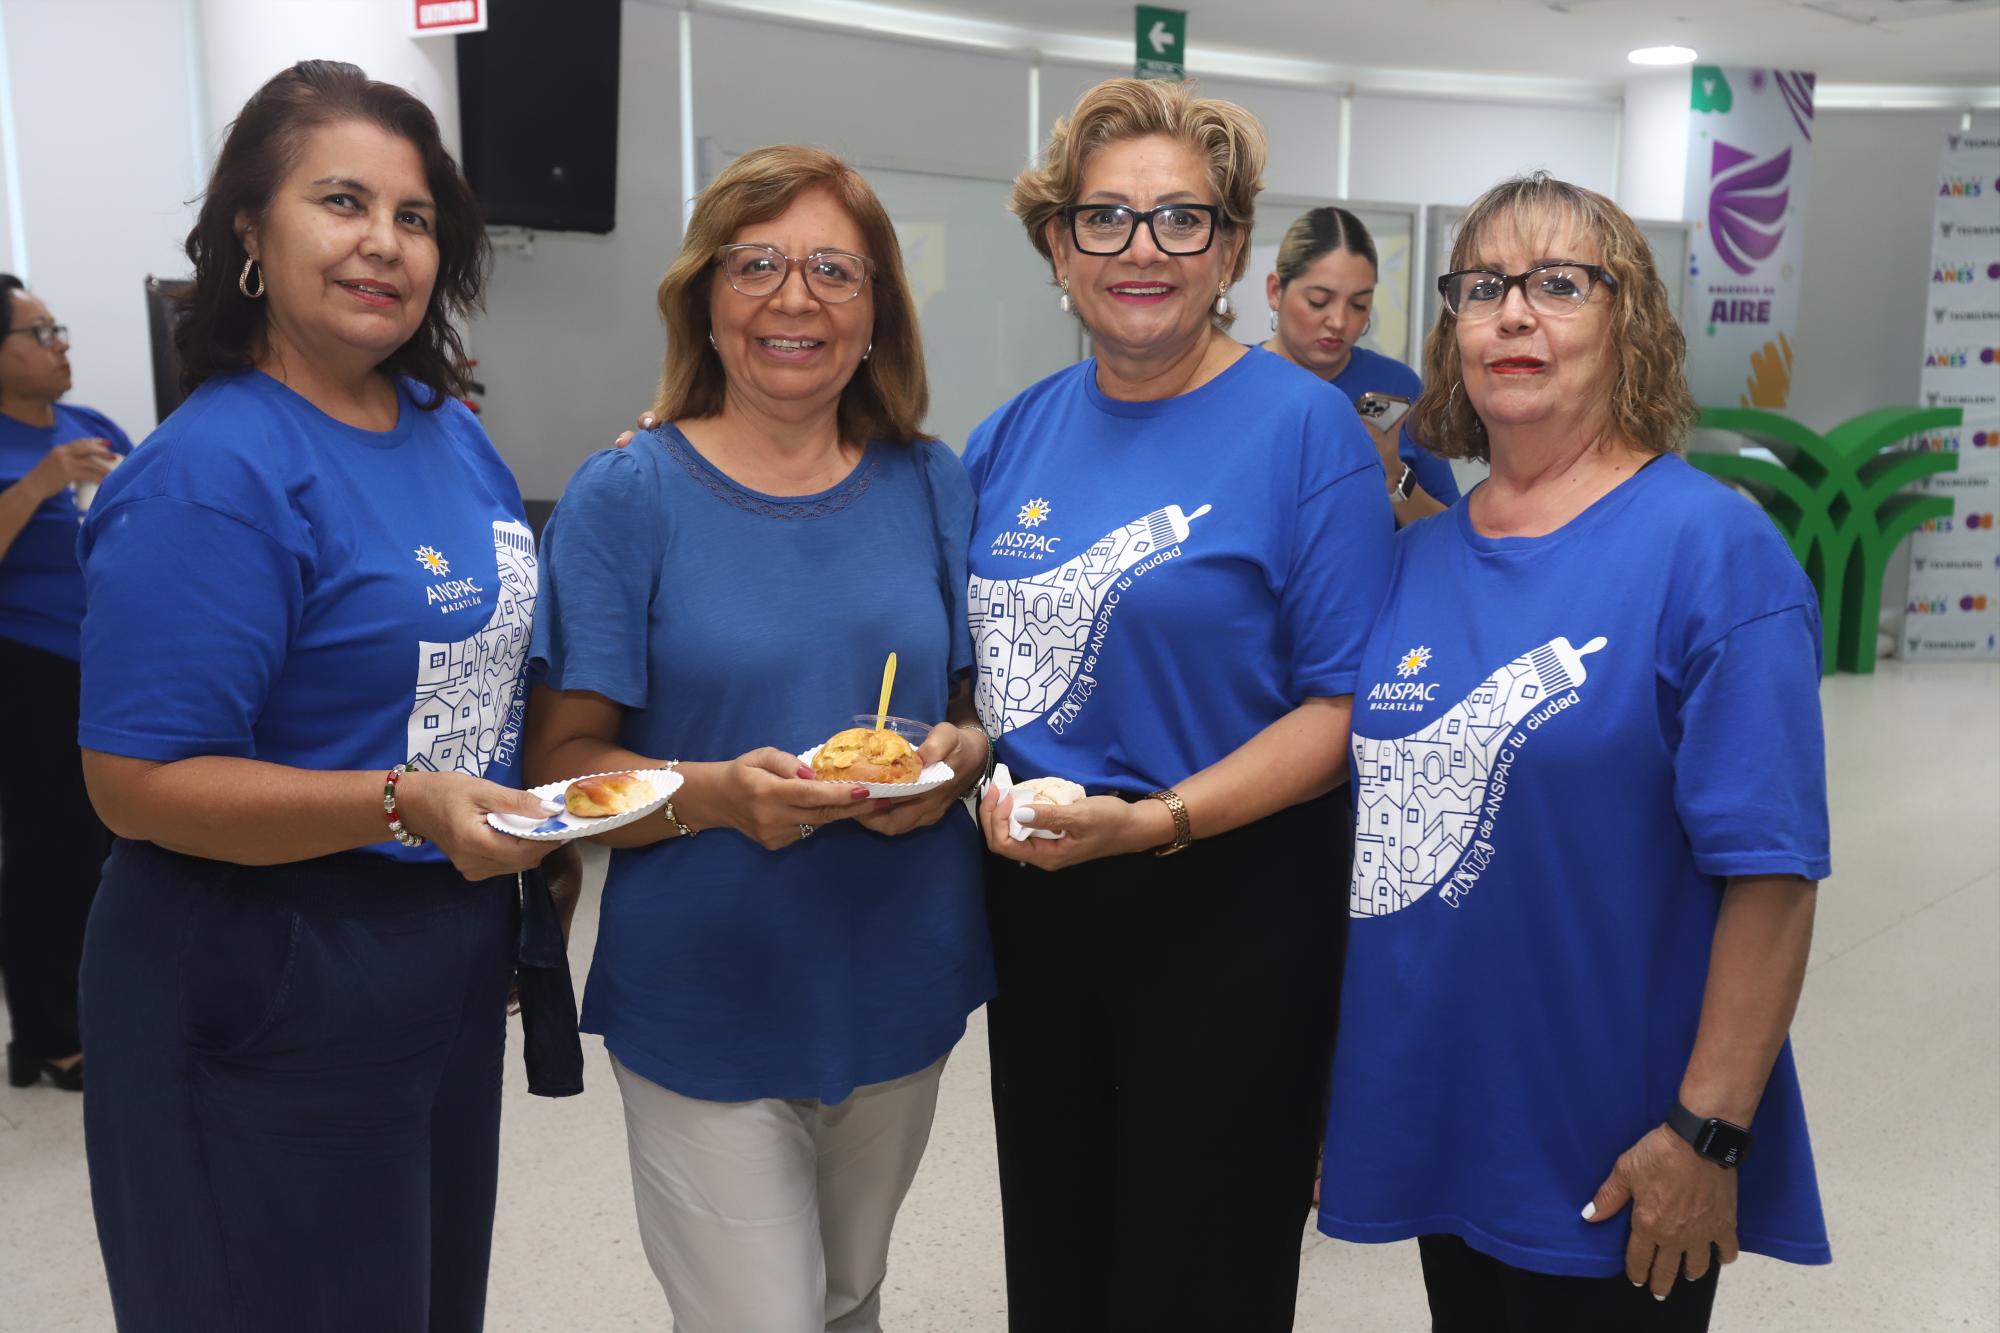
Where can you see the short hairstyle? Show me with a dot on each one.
(9, 284)
(1317, 233)
(1227, 137)
(219, 329)
(1650, 402)
(890, 394)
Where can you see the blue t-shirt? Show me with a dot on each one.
(722, 620)
(1563, 747)
(1371, 372)
(268, 583)
(41, 583)
(1154, 583)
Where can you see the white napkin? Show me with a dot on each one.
(1003, 782)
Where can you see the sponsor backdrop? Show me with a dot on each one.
(1953, 610)
(1749, 151)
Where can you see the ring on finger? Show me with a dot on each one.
(806, 831)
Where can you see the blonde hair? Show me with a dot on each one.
(1229, 138)
(889, 394)
(1650, 402)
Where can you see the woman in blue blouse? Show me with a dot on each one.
(1322, 296)
(1591, 797)
(52, 456)
(1178, 548)
(777, 979)
(304, 651)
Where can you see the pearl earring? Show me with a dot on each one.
(1274, 321)
(1222, 302)
(1067, 306)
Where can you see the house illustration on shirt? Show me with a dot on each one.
(468, 707)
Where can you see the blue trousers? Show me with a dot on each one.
(293, 1118)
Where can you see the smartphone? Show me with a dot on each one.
(1381, 410)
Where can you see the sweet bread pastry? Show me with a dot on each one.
(611, 794)
(862, 754)
(1047, 791)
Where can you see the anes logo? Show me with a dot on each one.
(1961, 187)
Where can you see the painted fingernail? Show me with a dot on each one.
(647, 421)
(552, 807)
(860, 794)
(804, 771)
(1590, 1210)
(1658, 1297)
(1024, 814)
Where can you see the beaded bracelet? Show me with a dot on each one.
(403, 835)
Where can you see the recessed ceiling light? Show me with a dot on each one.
(1662, 55)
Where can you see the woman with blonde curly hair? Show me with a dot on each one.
(1591, 815)
(1177, 550)
(783, 965)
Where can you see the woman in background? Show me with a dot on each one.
(1322, 297)
(52, 455)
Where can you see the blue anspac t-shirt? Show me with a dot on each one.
(41, 583)
(1153, 583)
(1563, 747)
(269, 583)
(723, 620)
(1371, 372)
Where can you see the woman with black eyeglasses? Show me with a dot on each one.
(52, 455)
(1178, 548)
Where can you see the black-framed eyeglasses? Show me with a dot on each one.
(833, 276)
(1562, 287)
(48, 335)
(1108, 229)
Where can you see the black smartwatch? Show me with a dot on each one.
(1719, 1141)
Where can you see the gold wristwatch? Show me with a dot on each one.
(1183, 827)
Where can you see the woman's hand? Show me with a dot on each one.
(960, 746)
(769, 797)
(646, 422)
(67, 464)
(451, 808)
(1682, 1205)
(1094, 827)
(1388, 446)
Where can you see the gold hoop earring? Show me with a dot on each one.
(243, 279)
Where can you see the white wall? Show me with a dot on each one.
(1433, 151)
(102, 102)
(1653, 147)
(570, 345)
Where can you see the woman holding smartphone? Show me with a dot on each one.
(1322, 295)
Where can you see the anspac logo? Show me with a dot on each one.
(430, 559)
(1413, 662)
(1033, 513)
(447, 595)
(1404, 695)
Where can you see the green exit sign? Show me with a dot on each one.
(1162, 43)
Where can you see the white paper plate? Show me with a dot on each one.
(930, 779)
(565, 826)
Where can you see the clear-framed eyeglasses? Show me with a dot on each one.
(48, 335)
(1108, 229)
(1560, 288)
(833, 276)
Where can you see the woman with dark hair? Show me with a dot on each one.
(307, 624)
(782, 967)
(52, 456)
(1322, 297)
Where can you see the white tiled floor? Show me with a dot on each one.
(1898, 1042)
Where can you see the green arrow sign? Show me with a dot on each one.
(1162, 43)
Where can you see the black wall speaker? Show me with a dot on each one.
(538, 114)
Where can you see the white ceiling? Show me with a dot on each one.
(1874, 42)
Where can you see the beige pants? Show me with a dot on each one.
(773, 1216)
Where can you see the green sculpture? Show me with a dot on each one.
(1838, 502)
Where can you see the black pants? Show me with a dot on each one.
(51, 849)
(1472, 1292)
(293, 1120)
(1161, 1044)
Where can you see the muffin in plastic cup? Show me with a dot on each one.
(933, 776)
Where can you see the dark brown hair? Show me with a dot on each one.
(1316, 234)
(219, 328)
(889, 395)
